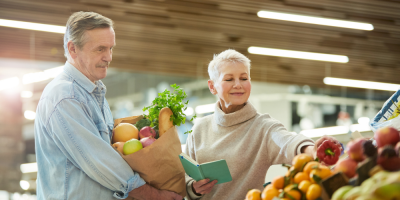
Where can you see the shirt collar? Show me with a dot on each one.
(81, 79)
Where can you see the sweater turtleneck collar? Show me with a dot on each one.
(231, 119)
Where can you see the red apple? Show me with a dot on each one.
(387, 135)
(147, 131)
(397, 148)
(355, 149)
(347, 166)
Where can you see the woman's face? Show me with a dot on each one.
(233, 86)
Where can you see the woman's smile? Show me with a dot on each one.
(237, 93)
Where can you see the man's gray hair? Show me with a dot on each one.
(78, 23)
(230, 56)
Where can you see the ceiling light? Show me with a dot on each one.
(34, 77)
(208, 108)
(29, 167)
(53, 72)
(361, 84)
(28, 114)
(26, 94)
(315, 20)
(298, 54)
(24, 184)
(9, 83)
(32, 26)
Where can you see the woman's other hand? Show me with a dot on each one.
(203, 186)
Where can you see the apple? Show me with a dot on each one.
(347, 166)
(132, 146)
(147, 131)
(387, 135)
(355, 149)
(388, 158)
(397, 148)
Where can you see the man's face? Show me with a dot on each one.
(96, 54)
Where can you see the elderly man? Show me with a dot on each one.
(73, 127)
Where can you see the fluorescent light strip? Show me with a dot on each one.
(32, 26)
(335, 130)
(315, 20)
(29, 167)
(298, 54)
(361, 84)
(9, 83)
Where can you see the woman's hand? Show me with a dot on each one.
(203, 186)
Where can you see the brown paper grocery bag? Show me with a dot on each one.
(159, 164)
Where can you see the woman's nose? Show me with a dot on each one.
(237, 84)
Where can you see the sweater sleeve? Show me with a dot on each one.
(284, 144)
(189, 150)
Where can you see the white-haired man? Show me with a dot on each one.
(73, 127)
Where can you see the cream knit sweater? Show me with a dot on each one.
(250, 143)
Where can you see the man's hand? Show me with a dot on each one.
(147, 192)
(203, 186)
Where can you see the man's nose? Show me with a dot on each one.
(108, 56)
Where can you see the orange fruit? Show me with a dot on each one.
(304, 185)
(269, 193)
(293, 193)
(301, 176)
(309, 166)
(119, 146)
(253, 194)
(313, 192)
(278, 182)
(300, 160)
(124, 132)
(322, 172)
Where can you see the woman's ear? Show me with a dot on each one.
(211, 87)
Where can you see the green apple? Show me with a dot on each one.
(131, 146)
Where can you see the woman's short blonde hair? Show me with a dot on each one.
(230, 56)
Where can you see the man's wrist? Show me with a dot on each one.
(308, 150)
(145, 192)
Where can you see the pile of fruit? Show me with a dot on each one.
(165, 112)
(300, 182)
(383, 185)
(303, 177)
(384, 182)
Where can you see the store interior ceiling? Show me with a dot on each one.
(180, 37)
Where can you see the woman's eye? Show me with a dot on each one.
(245, 79)
(228, 80)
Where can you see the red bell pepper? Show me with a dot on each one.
(328, 152)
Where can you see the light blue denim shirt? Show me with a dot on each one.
(73, 130)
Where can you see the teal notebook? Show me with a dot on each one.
(215, 170)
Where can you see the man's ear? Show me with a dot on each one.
(72, 49)
(211, 87)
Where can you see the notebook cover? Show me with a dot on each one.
(216, 170)
(191, 169)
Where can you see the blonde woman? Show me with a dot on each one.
(250, 142)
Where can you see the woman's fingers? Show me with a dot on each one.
(203, 186)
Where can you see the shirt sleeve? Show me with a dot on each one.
(77, 136)
(285, 144)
